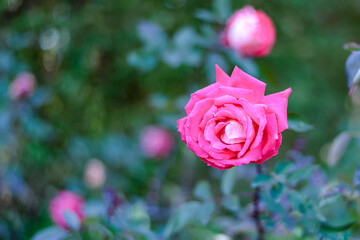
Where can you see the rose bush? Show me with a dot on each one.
(231, 122)
(249, 32)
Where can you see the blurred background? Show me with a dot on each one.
(106, 70)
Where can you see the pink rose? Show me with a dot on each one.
(231, 122)
(66, 201)
(156, 142)
(249, 32)
(23, 86)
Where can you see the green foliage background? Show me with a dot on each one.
(95, 92)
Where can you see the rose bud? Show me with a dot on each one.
(156, 142)
(95, 174)
(249, 32)
(23, 86)
(66, 201)
(231, 122)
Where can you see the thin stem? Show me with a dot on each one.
(256, 213)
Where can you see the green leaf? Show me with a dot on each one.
(143, 61)
(336, 228)
(203, 190)
(276, 190)
(228, 181)
(283, 167)
(298, 123)
(222, 9)
(185, 214)
(205, 211)
(53, 233)
(72, 220)
(205, 15)
(139, 216)
(300, 174)
(210, 61)
(231, 202)
(261, 179)
(297, 202)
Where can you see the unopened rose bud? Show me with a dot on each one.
(22, 86)
(95, 174)
(156, 142)
(249, 32)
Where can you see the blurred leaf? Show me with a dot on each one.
(222, 9)
(356, 179)
(228, 180)
(338, 148)
(298, 123)
(283, 167)
(185, 38)
(261, 179)
(152, 35)
(329, 200)
(205, 15)
(94, 208)
(352, 70)
(276, 190)
(203, 190)
(300, 174)
(183, 215)
(297, 201)
(336, 228)
(72, 220)
(231, 202)
(143, 61)
(248, 65)
(50, 233)
(211, 60)
(205, 211)
(139, 216)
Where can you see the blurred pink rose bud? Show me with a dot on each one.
(63, 202)
(22, 86)
(95, 174)
(249, 32)
(156, 141)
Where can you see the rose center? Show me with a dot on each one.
(233, 133)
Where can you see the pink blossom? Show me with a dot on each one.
(23, 86)
(95, 174)
(66, 201)
(232, 122)
(156, 141)
(249, 32)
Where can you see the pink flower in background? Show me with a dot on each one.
(95, 174)
(231, 122)
(66, 201)
(249, 32)
(22, 86)
(156, 141)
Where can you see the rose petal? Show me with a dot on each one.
(181, 128)
(231, 91)
(192, 125)
(241, 79)
(221, 76)
(198, 96)
(277, 103)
